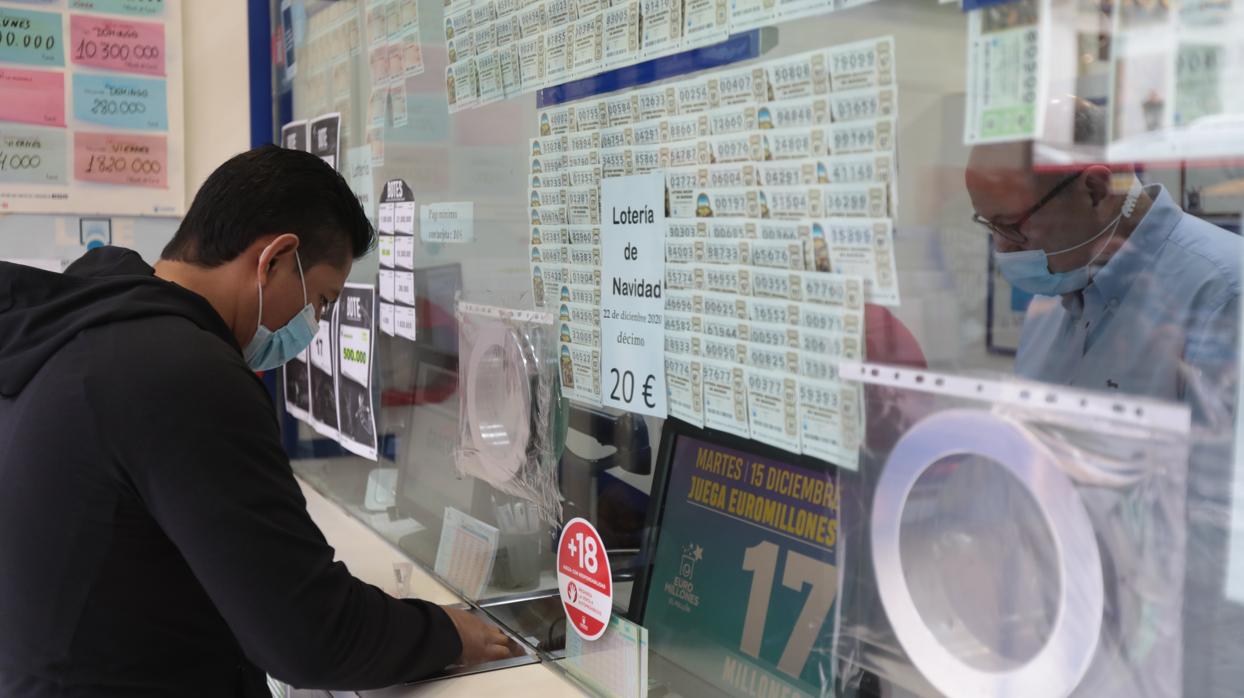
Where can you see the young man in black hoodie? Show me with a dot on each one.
(153, 540)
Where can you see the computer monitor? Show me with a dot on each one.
(436, 293)
(740, 595)
(427, 479)
(425, 381)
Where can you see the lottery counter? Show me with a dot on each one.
(750, 348)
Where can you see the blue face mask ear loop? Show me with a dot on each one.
(259, 320)
(301, 277)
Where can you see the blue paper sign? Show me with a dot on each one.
(121, 102)
(31, 38)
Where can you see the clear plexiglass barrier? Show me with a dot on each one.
(889, 348)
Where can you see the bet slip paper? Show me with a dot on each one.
(632, 322)
(466, 552)
(91, 107)
(616, 664)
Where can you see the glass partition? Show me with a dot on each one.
(941, 320)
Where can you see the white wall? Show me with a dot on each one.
(217, 78)
(217, 113)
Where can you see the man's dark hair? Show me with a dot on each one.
(271, 191)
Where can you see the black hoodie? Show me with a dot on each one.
(153, 540)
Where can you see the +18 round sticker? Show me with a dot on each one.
(583, 579)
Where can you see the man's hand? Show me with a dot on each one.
(481, 641)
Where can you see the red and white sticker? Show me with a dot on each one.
(584, 580)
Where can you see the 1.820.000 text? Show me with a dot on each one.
(111, 163)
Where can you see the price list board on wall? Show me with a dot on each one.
(91, 107)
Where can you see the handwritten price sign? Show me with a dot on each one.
(31, 38)
(121, 102)
(32, 97)
(28, 156)
(120, 45)
(113, 158)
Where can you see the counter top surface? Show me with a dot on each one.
(371, 558)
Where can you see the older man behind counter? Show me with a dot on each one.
(1132, 296)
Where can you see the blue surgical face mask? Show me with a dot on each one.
(1029, 270)
(268, 349)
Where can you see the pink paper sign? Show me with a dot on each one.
(117, 44)
(32, 97)
(118, 158)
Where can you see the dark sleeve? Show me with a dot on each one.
(196, 434)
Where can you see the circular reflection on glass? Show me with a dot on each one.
(498, 406)
(979, 562)
(1061, 662)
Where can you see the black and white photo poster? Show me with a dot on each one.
(397, 288)
(397, 259)
(294, 136)
(297, 380)
(326, 139)
(323, 377)
(356, 324)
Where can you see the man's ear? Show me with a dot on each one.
(1098, 181)
(273, 252)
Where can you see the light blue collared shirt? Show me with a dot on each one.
(1160, 319)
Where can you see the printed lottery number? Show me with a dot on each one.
(853, 236)
(854, 60)
(761, 560)
(793, 73)
(1193, 61)
(854, 139)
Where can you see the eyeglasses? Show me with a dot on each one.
(1011, 231)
